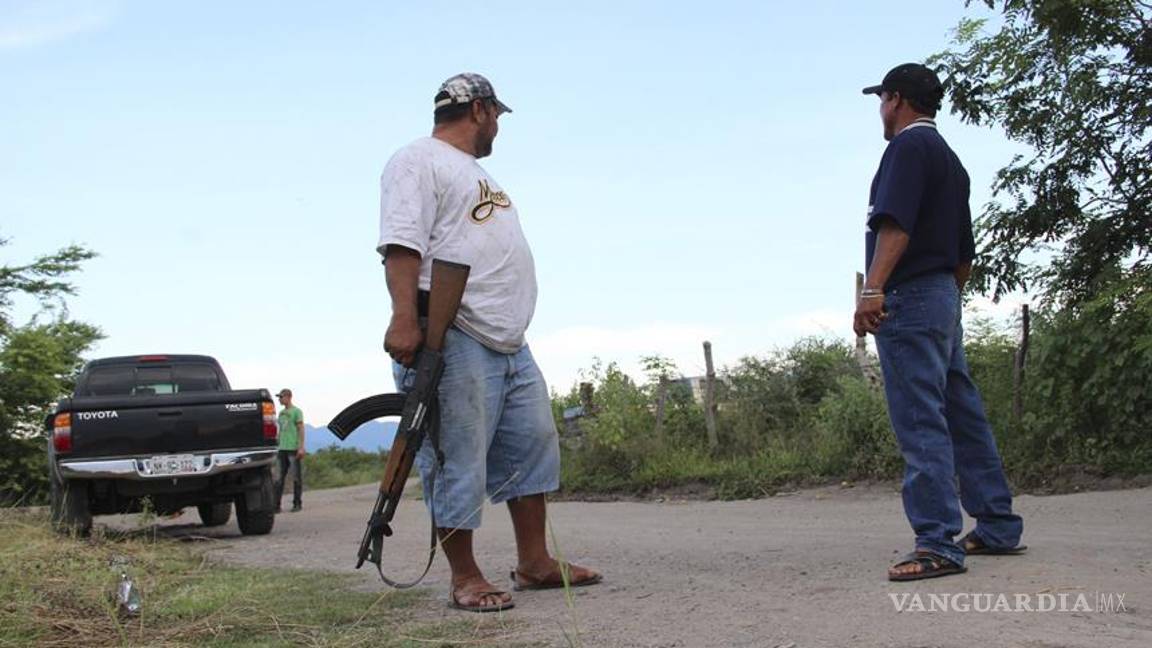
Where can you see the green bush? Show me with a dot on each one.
(1088, 400)
(766, 401)
(854, 436)
(767, 415)
(333, 467)
(991, 352)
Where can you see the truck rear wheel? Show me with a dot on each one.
(212, 515)
(255, 511)
(71, 513)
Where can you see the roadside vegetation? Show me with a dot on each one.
(807, 415)
(334, 467)
(58, 591)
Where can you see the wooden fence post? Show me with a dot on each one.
(661, 400)
(710, 398)
(586, 397)
(1018, 364)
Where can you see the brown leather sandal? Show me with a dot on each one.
(555, 580)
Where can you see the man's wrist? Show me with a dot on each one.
(405, 313)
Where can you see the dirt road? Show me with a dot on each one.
(799, 570)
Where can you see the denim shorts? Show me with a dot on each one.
(496, 431)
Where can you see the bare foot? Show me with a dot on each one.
(905, 569)
(478, 595)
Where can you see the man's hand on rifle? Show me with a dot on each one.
(403, 339)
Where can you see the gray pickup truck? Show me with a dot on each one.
(167, 430)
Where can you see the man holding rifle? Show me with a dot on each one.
(919, 252)
(496, 430)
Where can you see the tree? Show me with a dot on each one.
(1073, 80)
(38, 361)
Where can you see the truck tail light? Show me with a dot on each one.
(270, 431)
(62, 433)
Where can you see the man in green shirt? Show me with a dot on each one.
(291, 426)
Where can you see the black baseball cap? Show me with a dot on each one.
(914, 81)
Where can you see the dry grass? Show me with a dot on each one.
(57, 591)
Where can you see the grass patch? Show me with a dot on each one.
(57, 591)
(695, 473)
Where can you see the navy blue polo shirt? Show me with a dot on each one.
(923, 188)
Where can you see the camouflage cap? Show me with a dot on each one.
(465, 88)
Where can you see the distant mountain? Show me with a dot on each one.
(370, 437)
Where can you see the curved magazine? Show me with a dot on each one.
(364, 410)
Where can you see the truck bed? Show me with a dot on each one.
(117, 426)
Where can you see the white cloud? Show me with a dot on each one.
(26, 23)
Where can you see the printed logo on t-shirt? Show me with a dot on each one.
(489, 202)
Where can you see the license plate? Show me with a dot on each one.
(181, 464)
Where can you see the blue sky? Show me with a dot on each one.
(683, 171)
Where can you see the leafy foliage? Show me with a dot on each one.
(333, 467)
(1073, 80)
(44, 279)
(781, 392)
(991, 352)
(1088, 400)
(796, 415)
(854, 436)
(38, 362)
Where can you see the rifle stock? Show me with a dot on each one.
(418, 410)
(392, 467)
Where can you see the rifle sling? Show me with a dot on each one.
(378, 534)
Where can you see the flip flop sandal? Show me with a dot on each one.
(548, 583)
(455, 604)
(979, 548)
(931, 566)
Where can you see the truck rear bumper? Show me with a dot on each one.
(139, 468)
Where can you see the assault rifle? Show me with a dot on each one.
(419, 416)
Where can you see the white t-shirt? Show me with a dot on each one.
(437, 200)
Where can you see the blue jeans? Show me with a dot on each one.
(289, 462)
(939, 420)
(496, 430)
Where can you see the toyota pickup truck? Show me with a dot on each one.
(161, 433)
